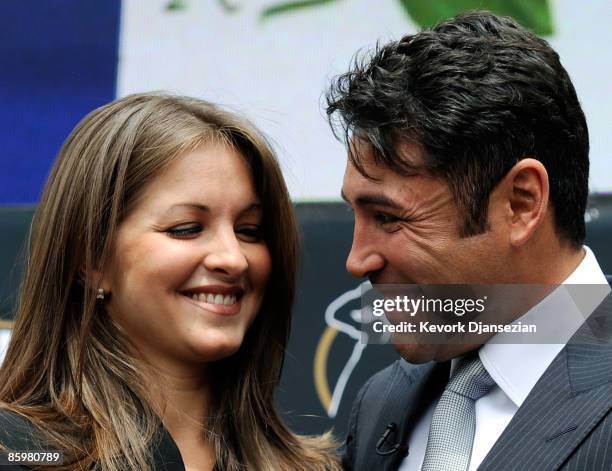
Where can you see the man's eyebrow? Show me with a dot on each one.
(373, 199)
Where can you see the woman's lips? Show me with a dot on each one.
(215, 307)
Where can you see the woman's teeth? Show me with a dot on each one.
(214, 298)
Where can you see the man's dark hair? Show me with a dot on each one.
(476, 94)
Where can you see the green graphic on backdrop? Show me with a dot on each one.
(532, 14)
(181, 5)
(292, 6)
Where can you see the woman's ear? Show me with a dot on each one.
(94, 280)
(525, 190)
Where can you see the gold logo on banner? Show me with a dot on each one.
(330, 399)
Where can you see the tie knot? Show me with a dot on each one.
(470, 379)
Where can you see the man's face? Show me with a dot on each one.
(407, 231)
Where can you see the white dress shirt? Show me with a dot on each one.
(517, 367)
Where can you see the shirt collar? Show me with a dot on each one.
(516, 368)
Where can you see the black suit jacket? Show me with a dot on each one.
(17, 434)
(565, 422)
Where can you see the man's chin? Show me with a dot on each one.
(417, 353)
(423, 353)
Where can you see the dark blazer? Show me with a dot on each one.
(18, 434)
(565, 422)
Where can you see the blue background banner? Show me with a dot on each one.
(58, 62)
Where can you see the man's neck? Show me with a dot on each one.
(549, 261)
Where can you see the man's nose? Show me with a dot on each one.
(364, 258)
(226, 254)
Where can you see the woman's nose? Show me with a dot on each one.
(226, 255)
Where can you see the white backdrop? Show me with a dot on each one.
(276, 70)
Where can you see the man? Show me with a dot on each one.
(468, 163)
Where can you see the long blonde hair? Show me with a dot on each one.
(69, 369)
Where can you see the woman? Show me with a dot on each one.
(155, 308)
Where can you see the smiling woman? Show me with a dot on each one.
(190, 265)
(155, 308)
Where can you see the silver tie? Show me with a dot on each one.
(451, 434)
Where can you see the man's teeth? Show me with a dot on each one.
(214, 299)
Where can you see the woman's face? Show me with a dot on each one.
(189, 268)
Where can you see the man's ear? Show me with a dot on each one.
(526, 190)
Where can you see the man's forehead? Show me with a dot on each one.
(382, 187)
(407, 155)
(385, 187)
(370, 171)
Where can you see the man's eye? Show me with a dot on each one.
(250, 233)
(185, 230)
(385, 218)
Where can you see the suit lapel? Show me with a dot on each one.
(407, 397)
(568, 401)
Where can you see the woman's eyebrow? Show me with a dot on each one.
(254, 206)
(188, 205)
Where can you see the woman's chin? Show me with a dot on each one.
(217, 348)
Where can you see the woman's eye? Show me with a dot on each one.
(184, 230)
(250, 233)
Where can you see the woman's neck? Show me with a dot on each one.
(182, 398)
